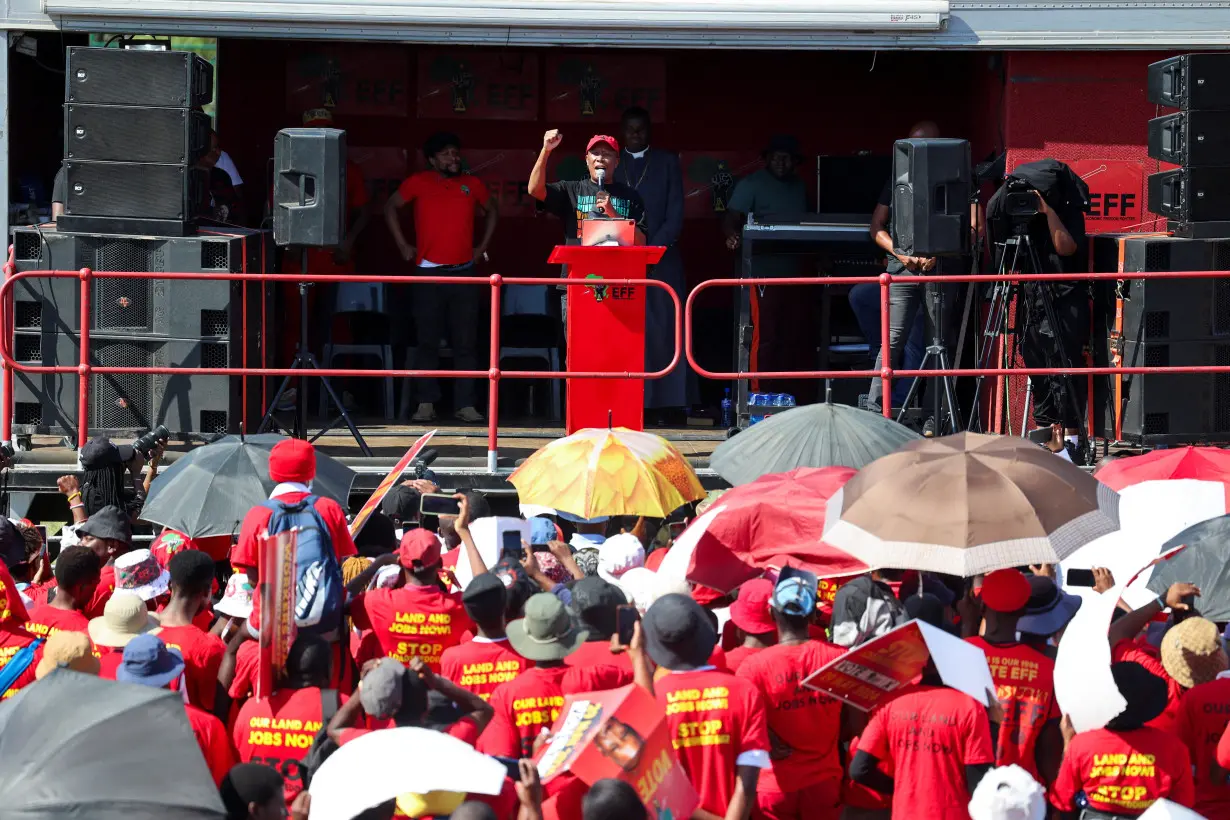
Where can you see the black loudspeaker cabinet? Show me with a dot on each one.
(132, 198)
(1191, 194)
(1191, 138)
(1180, 321)
(129, 133)
(168, 321)
(158, 79)
(309, 187)
(1191, 81)
(931, 192)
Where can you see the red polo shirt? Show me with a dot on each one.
(444, 215)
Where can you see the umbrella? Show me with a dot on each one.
(968, 504)
(1198, 463)
(392, 762)
(210, 490)
(1203, 561)
(598, 471)
(75, 745)
(814, 435)
(775, 520)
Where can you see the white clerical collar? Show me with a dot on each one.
(638, 154)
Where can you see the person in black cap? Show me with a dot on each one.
(1121, 770)
(595, 605)
(486, 662)
(717, 721)
(108, 534)
(402, 505)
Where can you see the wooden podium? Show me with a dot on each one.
(606, 332)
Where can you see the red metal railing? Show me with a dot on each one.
(84, 369)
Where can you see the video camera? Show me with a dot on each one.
(145, 444)
(1020, 200)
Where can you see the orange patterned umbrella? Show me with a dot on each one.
(596, 472)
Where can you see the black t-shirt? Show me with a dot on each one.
(573, 201)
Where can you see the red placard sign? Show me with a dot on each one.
(477, 86)
(595, 86)
(370, 81)
(386, 484)
(709, 178)
(276, 565)
(867, 673)
(620, 733)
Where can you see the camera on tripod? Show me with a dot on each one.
(1020, 201)
(145, 444)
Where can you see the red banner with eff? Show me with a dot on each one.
(386, 484)
(276, 566)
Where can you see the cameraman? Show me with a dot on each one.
(1056, 231)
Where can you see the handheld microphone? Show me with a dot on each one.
(601, 176)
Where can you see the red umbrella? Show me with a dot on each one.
(1198, 463)
(777, 518)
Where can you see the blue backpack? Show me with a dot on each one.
(319, 593)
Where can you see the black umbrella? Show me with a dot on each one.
(1203, 561)
(210, 490)
(75, 745)
(814, 435)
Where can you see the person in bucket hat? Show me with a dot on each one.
(125, 617)
(139, 572)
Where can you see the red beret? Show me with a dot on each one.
(292, 460)
(1005, 590)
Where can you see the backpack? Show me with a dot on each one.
(322, 745)
(318, 576)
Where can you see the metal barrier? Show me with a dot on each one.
(887, 374)
(84, 369)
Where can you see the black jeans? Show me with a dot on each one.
(904, 300)
(440, 312)
(1059, 399)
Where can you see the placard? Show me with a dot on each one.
(386, 484)
(709, 179)
(477, 85)
(598, 87)
(276, 588)
(371, 80)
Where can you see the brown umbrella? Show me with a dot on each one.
(968, 504)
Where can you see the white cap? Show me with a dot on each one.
(237, 600)
(1008, 793)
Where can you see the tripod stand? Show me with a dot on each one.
(304, 360)
(1003, 294)
(936, 358)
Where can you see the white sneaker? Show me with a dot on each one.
(425, 412)
(469, 415)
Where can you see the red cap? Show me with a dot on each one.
(419, 548)
(750, 611)
(599, 138)
(1005, 590)
(292, 460)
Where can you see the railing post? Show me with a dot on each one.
(493, 376)
(886, 357)
(6, 327)
(83, 366)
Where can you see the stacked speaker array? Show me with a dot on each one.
(1195, 197)
(133, 133)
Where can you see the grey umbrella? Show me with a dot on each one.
(75, 745)
(211, 489)
(814, 435)
(1203, 561)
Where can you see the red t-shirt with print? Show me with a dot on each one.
(412, 622)
(202, 655)
(1124, 772)
(807, 721)
(1204, 713)
(530, 703)
(46, 620)
(278, 731)
(930, 735)
(1025, 686)
(714, 717)
(482, 666)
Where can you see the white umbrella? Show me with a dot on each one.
(377, 767)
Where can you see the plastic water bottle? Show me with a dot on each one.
(726, 409)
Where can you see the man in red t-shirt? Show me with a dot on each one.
(1192, 653)
(717, 720)
(445, 201)
(77, 571)
(279, 730)
(192, 579)
(108, 533)
(418, 619)
(595, 603)
(938, 743)
(147, 661)
(753, 622)
(1029, 735)
(804, 780)
(486, 663)
(1128, 766)
(292, 463)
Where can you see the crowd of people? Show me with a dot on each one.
(491, 661)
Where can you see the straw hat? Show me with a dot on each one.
(1192, 653)
(124, 618)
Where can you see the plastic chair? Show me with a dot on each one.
(531, 330)
(360, 298)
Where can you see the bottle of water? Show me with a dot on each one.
(726, 409)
